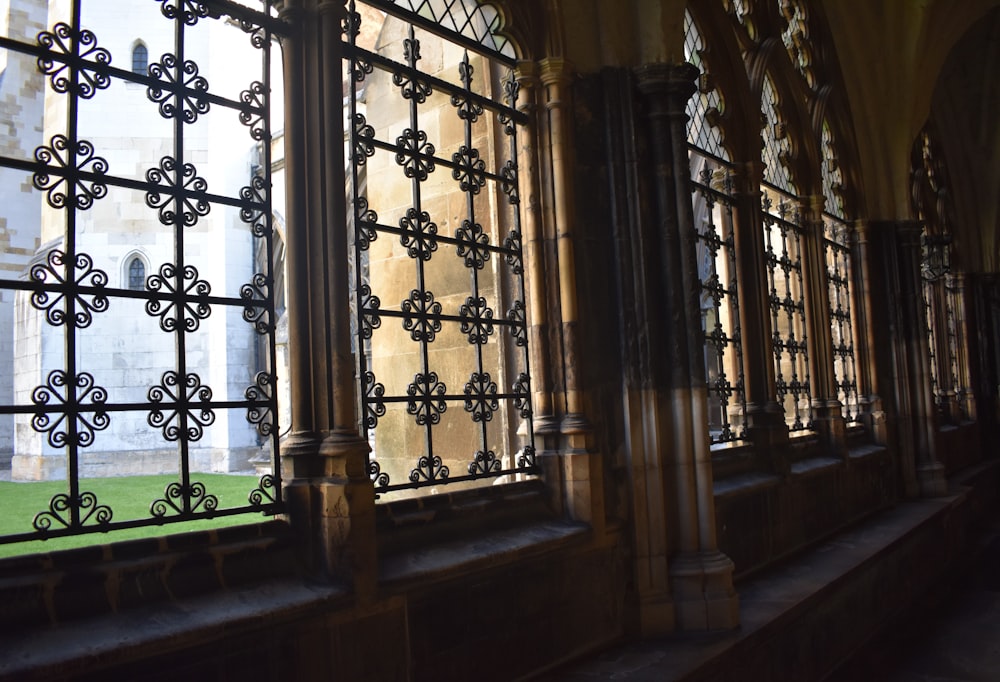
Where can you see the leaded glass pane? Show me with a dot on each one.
(777, 146)
(705, 106)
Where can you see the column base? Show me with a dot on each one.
(931, 480)
(703, 593)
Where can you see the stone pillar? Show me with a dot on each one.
(700, 575)
(766, 427)
(578, 468)
(324, 459)
(981, 356)
(827, 410)
(929, 471)
(872, 415)
(536, 289)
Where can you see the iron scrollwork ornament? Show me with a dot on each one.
(68, 395)
(84, 308)
(74, 165)
(86, 506)
(184, 310)
(256, 310)
(72, 73)
(181, 185)
(265, 493)
(253, 211)
(259, 412)
(191, 407)
(182, 95)
(473, 244)
(426, 402)
(184, 500)
(188, 11)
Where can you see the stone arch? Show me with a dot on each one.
(800, 158)
(737, 121)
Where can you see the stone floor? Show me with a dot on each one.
(953, 635)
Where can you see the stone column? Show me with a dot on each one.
(827, 410)
(700, 575)
(872, 415)
(580, 469)
(536, 290)
(324, 459)
(929, 471)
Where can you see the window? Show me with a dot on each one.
(192, 320)
(784, 245)
(713, 214)
(136, 274)
(140, 59)
(441, 328)
(837, 235)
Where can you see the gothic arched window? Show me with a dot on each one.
(140, 59)
(713, 215)
(136, 274)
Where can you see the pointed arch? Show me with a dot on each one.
(480, 26)
(135, 266)
(710, 38)
(790, 150)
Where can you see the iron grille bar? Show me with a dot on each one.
(721, 326)
(438, 84)
(783, 256)
(67, 288)
(422, 316)
(836, 234)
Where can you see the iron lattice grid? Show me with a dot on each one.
(784, 245)
(713, 210)
(489, 194)
(837, 247)
(69, 293)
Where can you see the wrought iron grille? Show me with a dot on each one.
(784, 240)
(836, 244)
(107, 377)
(956, 346)
(837, 236)
(443, 372)
(929, 294)
(720, 313)
(952, 329)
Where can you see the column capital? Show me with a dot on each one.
(746, 177)
(554, 71)
(676, 77)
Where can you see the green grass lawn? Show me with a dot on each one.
(129, 498)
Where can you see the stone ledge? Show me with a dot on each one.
(138, 634)
(484, 551)
(59, 587)
(799, 620)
